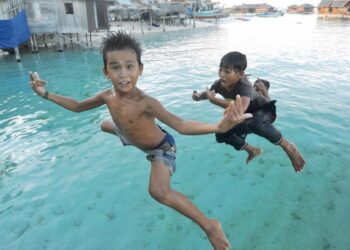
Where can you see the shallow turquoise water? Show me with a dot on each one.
(66, 185)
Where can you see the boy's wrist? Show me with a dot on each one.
(45, 95)
(212, 99)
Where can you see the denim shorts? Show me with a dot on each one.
(165, 152)
(167, 157)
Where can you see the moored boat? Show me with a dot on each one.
(270, 14)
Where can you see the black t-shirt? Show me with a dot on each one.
(242, 88)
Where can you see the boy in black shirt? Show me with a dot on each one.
(233, 82)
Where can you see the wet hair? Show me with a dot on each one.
(234, 60)
(265, 82)
(120, 41)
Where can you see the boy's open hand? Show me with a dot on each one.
(37, 85)
(196, 96)
(233, 115)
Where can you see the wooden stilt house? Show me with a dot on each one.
(334, 8)
(60, 21)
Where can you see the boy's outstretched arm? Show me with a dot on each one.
(217, 101)
(38, 86)
(244, 101)
(210, 95)
(233, 115)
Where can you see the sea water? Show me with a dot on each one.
(64, 184)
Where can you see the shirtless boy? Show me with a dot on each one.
(134, 112)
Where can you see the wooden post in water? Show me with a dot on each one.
(35, 44)
(194, 17)
(59, 43)
(32, 44)
(95, 15)
(71, 39)
(44, 41)
(150, 20)
(140, 23)
(18, 57)
(121, 20)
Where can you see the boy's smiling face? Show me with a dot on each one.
(229, 77)
(123, 69)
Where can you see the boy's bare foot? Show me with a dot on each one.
(217, 236)
(295, 157)
(252, 152)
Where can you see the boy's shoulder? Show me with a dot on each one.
(245, 81)
(105, 93)
(243, 84)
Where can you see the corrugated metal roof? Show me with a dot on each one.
(333, 3)
(338, 4)
(306, 5)
(325, 3)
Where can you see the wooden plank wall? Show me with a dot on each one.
(41, 16)
(72, 23)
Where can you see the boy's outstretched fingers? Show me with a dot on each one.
(31, 76)
(35, 79)
(234, 111)
(238, 104)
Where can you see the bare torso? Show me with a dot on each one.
(130, 115)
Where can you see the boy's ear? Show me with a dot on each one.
(240, 74)
(141, 69)
(105, 72)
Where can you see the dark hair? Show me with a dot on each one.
(234, 60)
(265, 82)
(120, 41)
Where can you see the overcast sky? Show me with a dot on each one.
(275, 3)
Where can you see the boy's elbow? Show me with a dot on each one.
(183, 130)
(77, 108)
(185, 133)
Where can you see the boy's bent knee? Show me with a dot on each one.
(159, 194)
(107, 126)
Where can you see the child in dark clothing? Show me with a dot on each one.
(261, 87)
(233, 82)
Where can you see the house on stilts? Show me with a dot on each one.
(334, 9)
(57, 22)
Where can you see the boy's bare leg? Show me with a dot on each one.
(159, 189)
(293, 154)
(252, 152)
(107, 126)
